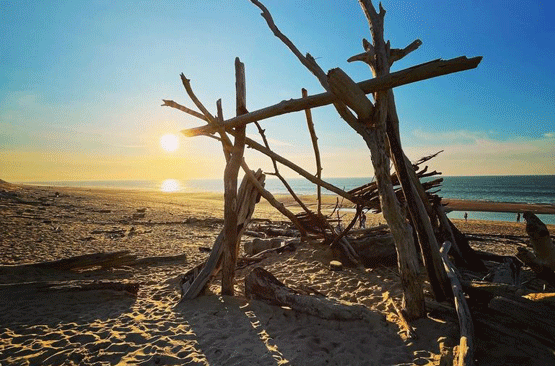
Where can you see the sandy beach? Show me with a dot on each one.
(51, 317)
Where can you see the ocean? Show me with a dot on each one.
(517, 189)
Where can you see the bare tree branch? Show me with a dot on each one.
(309, 62)
(277, 173)
(314, 139)
(172, 104)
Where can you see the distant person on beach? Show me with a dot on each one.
(518, 217)
(465, 216)
(362, 221)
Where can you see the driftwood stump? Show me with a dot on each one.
(196, 279)
(540, 240)
(262, 285)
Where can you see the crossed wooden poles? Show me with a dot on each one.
(375, 121)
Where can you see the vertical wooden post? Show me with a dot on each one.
(424, 231)
(314, 139)
(231, 238)
(374, 134)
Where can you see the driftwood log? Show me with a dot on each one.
(374, 118)
(262, 285)
(88, 261)
(126, 288)
(540, 240)
(539, 267)
(195, 280)
(375, 250)
(410, 75)
(231, 232)
(466, 350)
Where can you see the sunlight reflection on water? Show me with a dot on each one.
(170, 185)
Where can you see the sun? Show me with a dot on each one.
(169, 142)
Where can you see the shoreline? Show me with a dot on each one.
(328, 200)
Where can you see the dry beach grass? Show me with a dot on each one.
(45, 324)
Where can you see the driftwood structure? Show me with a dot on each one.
(410, 207)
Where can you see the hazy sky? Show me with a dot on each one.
(81, 84)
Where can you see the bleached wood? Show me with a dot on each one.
(466, 346)
(172, 104)
(350, 94)
(314, 139)
(374, 135)
(410, 75)
(262, 285)
(231, 236)
(309, 62)
(247, 198)
(227, 145)
(278, 174)
(426, 237)
(380, 66)
(305, 174)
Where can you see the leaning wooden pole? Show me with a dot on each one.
(380, 66)
(466, 345)
(247, 198)
(373, 120)
(231, 238)
(314, 139)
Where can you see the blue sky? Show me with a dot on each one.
(81, 83)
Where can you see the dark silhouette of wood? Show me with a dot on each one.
(374, 135)
(540, 240)
(538, 266)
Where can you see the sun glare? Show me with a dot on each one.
(170, 185)
(169, 142)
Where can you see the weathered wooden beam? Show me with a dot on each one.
(466, 347)
(264, 150)
(263, 286)
(314, 139)
(194, 282)
(410, 75)
(231, 237)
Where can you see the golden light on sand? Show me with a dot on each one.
(170, 185)
(169, 142)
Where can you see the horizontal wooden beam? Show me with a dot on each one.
(413, 74)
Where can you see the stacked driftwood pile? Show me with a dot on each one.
(416, 220)
(73, 274)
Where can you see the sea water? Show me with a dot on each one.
(538, 189)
